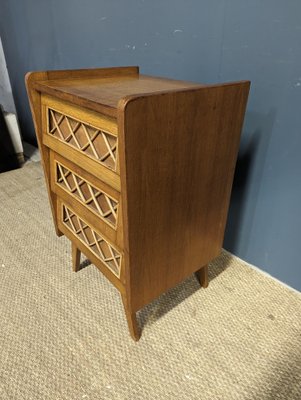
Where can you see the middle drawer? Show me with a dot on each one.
(97, 202)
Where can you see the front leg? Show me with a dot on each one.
(131, 320)
(75, 258)
(202, 276)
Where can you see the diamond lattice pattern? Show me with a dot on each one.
(92, 141)
(98, 201)
(93, 240)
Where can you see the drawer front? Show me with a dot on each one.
(94, 241)
(92, 135)
(83, 136)
(95, 201)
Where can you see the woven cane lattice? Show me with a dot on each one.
(92, 141)
(96, 200)
(97, 244)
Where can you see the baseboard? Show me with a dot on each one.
(267, 274)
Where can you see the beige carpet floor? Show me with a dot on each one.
(64, 335)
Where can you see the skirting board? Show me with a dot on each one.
(267, 274)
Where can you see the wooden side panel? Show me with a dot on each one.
(36, 110)
(177, 155)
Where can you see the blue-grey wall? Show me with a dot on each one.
(204, 41)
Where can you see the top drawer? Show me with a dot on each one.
(68, 128)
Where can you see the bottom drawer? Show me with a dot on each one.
(92, 240)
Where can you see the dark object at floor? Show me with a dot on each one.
(8, 158)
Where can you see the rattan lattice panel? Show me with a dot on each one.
(90, 140)
(96, 200)
(110, 257)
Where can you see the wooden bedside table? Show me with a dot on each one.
(139, 172)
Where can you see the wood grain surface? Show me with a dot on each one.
(178, 152)
(176, 146)
(102, 93)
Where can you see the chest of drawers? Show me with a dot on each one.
(139, 172)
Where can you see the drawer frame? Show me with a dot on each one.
(118, 281)
(115, 235)
(98, 169)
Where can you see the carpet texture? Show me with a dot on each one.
(63, 335)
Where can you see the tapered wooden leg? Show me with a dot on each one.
(75, 258)
(134, 329)
(202, 275)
